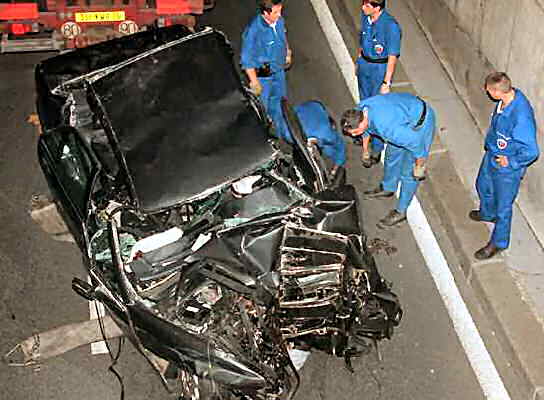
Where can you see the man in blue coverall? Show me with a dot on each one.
(407, 124)
(264, 57)
(318, 127)
(510, 147)
(379, 49)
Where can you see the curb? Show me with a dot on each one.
(517, 328)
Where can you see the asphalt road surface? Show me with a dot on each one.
(424, 360)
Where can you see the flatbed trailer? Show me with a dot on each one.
(48, 25)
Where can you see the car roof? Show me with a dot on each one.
(180, 120)
(58, 70)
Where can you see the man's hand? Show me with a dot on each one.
(502, 161)
(419, 169)
(355, 63)
(256, 87)
(288, 59)
(385, 88)
(365, 158)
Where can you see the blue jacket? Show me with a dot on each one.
(394, 116)
(261, 43)
(381, 38)
(315, 122)
(512, 132)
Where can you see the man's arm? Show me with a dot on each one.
(254, 83)
(391, 65)
(365, 143)
(289, 52)
(248, 59)
(524, 137)
(251, 74)
(394, 35)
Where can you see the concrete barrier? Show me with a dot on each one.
(475, 37)
(461, 34)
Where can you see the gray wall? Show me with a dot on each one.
(474, 37)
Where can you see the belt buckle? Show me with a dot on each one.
(265, 71)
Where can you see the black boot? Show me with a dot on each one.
(378, 193)
(487, 252)
(393, 218)
(476, 216)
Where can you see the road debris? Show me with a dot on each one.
(52, 343)
(34, 120)
(378, 245)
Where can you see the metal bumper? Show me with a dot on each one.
(30, 44)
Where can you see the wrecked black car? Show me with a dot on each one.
(212, 246)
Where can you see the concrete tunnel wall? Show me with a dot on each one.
(475, 37)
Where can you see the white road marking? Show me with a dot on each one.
(400, 84)
(480, 360)
(478, 356)
(337, 45)
(97, 347)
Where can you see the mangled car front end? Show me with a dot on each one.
(214, 250)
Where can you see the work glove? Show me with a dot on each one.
(419, 172)
(365, 159)
(256, 87)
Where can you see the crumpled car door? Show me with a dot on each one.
(306, 156)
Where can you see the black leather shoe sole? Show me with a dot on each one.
(396, 224)
(475, 216)
(394, 218)
(487, 252)
(378, 195)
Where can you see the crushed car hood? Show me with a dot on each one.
(175, 113)
(193, 128)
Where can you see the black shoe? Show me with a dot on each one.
(373, 160)
(378, 193)
(391, 219)
(487, 252)
(476, 216)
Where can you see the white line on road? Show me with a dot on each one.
(97, 347)
(478, 356)
(400, 84)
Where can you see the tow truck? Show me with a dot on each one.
(49, 25)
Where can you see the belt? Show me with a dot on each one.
(265, 71)
(373, 60)
(423, 114)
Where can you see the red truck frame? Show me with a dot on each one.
(44, 25)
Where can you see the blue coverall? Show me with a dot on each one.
(394, 117)
(512, 133)
(263, 43)
(377, 41)
(314, 118)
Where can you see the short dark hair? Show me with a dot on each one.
(266, 5)
(499, 80)
(351, 119)
(375, 3)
